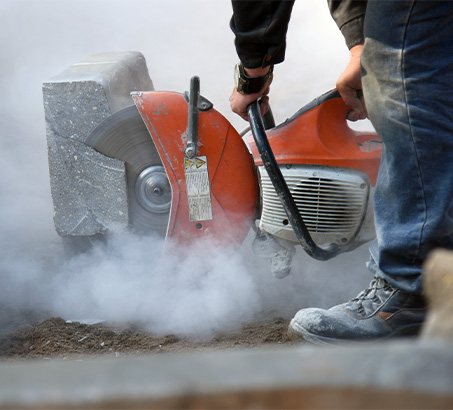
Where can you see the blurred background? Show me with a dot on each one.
(127, 279)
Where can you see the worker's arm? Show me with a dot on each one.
(260, 29)
(350, 16)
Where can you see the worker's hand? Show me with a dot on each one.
(349, 82)
(239, 102)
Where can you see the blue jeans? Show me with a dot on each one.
(407, 74)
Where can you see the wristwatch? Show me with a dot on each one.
(249, 85)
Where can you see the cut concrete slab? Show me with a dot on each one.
(88, 189)
(403, 374)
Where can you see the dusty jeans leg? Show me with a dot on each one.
(407, 65)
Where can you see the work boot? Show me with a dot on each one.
(379, 312)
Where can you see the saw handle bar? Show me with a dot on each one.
(192, 126)
(281, 188)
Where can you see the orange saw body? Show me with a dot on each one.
(321, 136)
(308, 181)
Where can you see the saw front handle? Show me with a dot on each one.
(281, 188)
(191, 149)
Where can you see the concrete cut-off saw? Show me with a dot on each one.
(307, 181)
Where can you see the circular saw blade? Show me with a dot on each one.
(124, 136)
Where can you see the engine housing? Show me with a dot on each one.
(335, 204)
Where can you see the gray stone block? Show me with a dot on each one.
(89, 189)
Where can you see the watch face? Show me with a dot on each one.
(236, 76)
(240, 81)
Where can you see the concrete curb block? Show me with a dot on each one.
(401, 374)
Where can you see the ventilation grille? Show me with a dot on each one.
(332, 203)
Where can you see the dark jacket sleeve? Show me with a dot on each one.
(260, 28)
(349, 16)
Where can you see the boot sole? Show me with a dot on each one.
(297, 333)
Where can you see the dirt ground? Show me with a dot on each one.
(55, 338)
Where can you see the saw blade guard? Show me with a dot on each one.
(215, 192)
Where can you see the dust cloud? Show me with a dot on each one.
(126, 278)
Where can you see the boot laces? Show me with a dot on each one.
(371, 293)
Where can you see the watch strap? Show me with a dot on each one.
(250, 85)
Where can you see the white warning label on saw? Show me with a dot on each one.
(198, 189)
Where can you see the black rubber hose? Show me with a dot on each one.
(282, 190)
